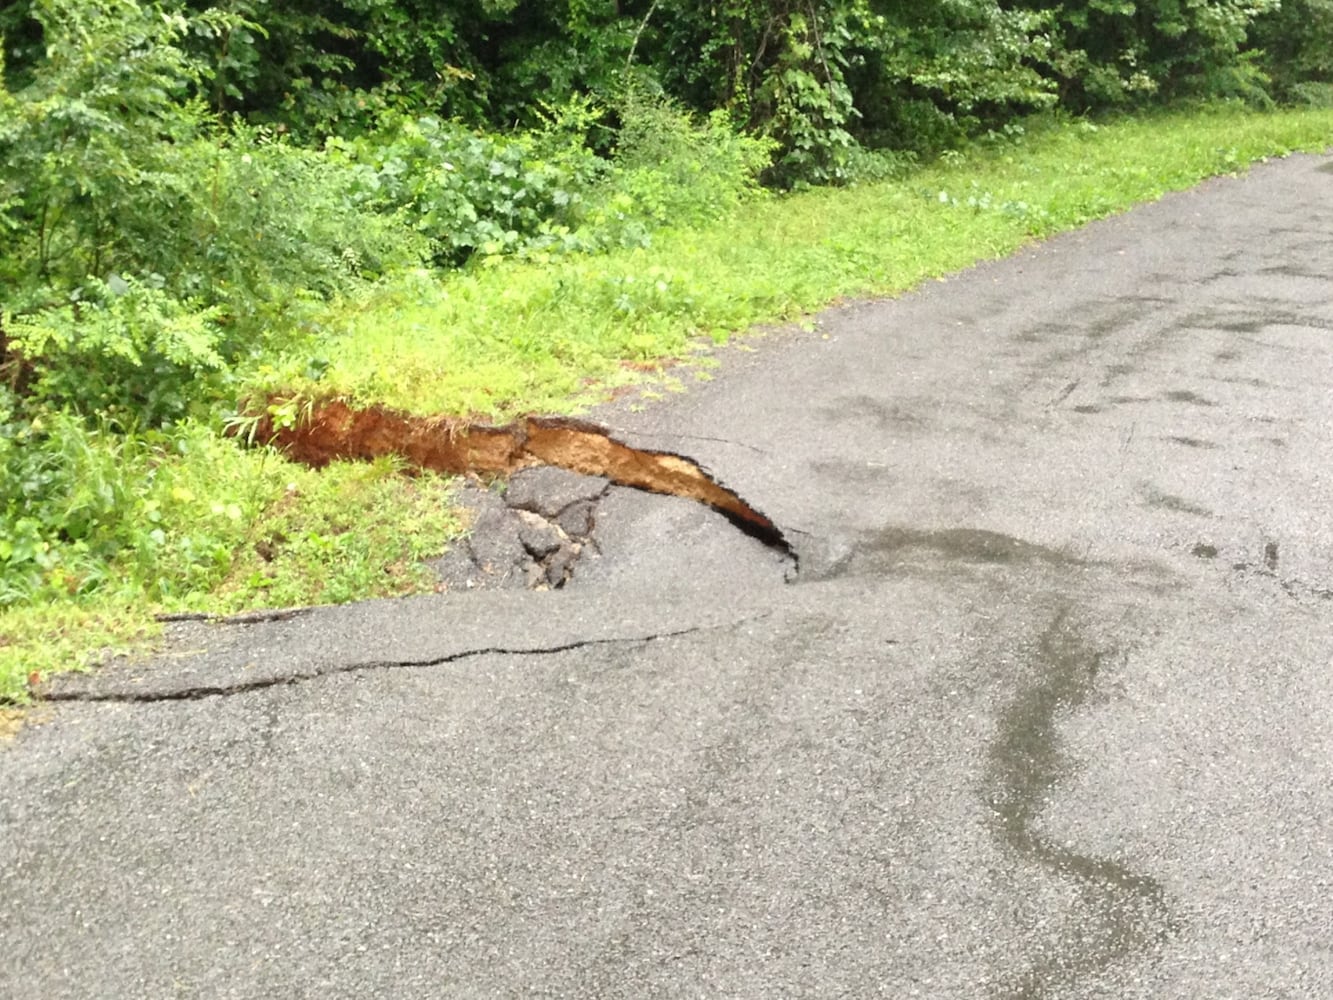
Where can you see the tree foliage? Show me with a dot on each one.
(822, 78)
(1294, 45)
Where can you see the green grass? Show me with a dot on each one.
(551, 336)
(219, 528)
(284, 535)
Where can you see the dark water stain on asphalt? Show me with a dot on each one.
(1249, 380)
(1292, 271)
(1186, 396)
(1098, 320)
(885, 416)
(1125, 911)
(1250, 326)
(1115, 371)
(970, 544)
(843, 470)
(1169, 501)
(1191, 442)
(1249, 322)
(894, 547)
(1326, 168)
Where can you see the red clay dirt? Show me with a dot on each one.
(334, 430)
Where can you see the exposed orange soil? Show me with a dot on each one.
(334, 430)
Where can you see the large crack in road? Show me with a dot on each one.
(333, 429)
(198, 692)
(1122, 911)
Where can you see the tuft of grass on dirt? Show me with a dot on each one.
(514, 337)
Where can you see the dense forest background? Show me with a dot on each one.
(188, 187)
(823, 78)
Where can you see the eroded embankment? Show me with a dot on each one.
(335, 430)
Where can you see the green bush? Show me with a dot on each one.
(275, 222)
(180, 515)
(122, 348)
(670, 169)
(1128, 53)
(482, 194)
(89, 145)
(928, 76)
(1296, 45)
(137, 234)
(469, 192)
(75, 501)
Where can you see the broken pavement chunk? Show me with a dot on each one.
(539, 536)
(549, 491)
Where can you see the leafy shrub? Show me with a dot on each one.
(671, 170)
(71, 501)
(275, 221)
(1125, 53)
(1296, 45)
(177, 514)
(136, 234)
(115, 174)
(89, 141)
(468, 191)
(123, 348)
(929, 76)
(477, 193)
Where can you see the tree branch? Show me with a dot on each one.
(639, 34)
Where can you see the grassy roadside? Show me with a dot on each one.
(282, 535)
(227, 529)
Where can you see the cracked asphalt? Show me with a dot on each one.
(1044, 710)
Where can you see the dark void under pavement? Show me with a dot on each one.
(1044, 712)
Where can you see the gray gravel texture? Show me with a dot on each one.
(1045, 710)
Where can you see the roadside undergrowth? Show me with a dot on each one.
(194, 521)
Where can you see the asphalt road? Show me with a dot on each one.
(1044, 711)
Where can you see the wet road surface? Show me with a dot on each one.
(1043, 709)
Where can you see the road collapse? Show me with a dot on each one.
(333, 429)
